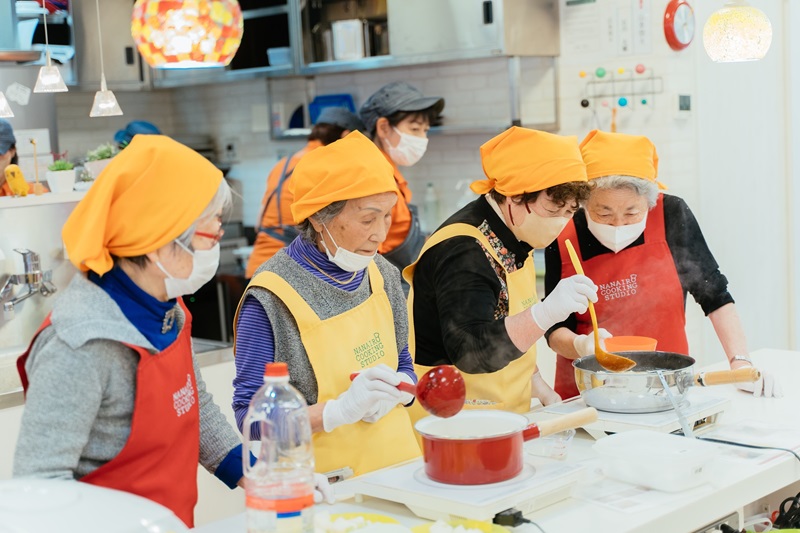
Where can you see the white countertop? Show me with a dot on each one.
(735, 485)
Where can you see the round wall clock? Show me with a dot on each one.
(679, 24)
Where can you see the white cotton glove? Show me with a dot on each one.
(323, 492)
(584, 344)
(766, 386)
(571, 295)
(373, 385)
(542, 391)
(383, 407)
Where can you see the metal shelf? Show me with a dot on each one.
(165, 78)
(390, 61)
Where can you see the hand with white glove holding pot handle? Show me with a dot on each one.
(571, 295)
(766, 386)
(371, 387)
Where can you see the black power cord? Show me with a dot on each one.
(513, 518)
(754, 446)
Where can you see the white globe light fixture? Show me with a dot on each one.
(737, 32)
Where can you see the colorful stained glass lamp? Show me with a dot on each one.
(188, 33)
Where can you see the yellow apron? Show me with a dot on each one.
(510, 388)
(350, 342)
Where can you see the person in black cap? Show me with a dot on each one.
(275, 229)
(398, 117)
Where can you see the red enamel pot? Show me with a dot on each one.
(477, 447)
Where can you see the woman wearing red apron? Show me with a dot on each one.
(645, 251)
(113, 393)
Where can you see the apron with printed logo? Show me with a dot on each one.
(159, 460)
(509, 388)
(639, 293)
(338, 346)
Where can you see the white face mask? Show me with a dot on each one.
(616, 238)
(345, 259)
(536, 230)
(204, 267)
(408, 151)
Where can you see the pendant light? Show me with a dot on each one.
(172, 34)
(49, 79)
(105, 103)
(737, 32)
(5, 109)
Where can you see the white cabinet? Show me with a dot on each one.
(473, 27)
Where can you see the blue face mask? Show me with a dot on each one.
(345, 259)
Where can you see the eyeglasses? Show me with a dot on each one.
(213, 236)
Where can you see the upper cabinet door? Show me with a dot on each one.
(124, 67)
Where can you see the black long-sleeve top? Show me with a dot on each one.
(697, 269)
(461, 297)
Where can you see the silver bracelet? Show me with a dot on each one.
(742, 358)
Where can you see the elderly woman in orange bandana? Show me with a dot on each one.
(114, 396)
(645, 250)
(473, 302)
(328, 305)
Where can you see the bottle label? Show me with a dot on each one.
(287, 515)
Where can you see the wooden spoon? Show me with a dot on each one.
(609, 361)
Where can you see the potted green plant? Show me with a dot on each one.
(60, 176)
(97, 159)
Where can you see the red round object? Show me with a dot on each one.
(679, 24)
(441, 391)
(475, 448)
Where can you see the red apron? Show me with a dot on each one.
(639, 294)
(159, 460)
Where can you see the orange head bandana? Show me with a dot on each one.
(149, 194)
(522, 160)
(619, 154)
(349, 168)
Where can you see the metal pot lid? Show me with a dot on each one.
(472, 425)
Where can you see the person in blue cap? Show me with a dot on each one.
(123, 137)
(274, 219)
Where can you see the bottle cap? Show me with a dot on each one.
(276, 370)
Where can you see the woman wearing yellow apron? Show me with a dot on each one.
(329, 306)
(473, 301)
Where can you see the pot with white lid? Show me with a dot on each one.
(481, 446)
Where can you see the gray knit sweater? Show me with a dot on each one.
(327, 301)
(82, 388)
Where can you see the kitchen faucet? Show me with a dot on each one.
(36, 281)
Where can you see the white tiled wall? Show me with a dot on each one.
(79, 133)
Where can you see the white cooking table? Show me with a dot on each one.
(735, 485)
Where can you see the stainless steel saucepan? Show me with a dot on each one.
(640, 390)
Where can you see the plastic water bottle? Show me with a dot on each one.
(279, 485)
(430, 219)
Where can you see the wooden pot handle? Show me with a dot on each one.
(548, 427)
(746, 374)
